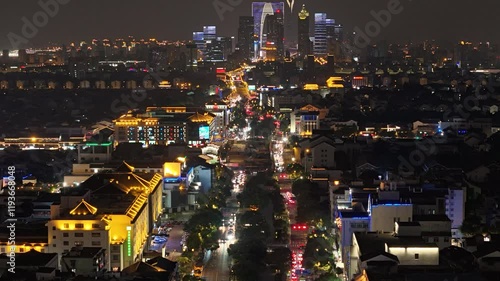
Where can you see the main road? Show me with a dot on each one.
(218, 267)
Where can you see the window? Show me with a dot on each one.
(417, 256)
(95, 225)
(66, 225)
(66, 243)
(436, 239)
(54, 237)
(54, 245)
(2, 249)
(78, 243)
(96, 234)
(96, 243)
(447, 239)
(78, 225)
(116, 257)
(21, 250)
(53, 228)
(65, 234)
(78, 234)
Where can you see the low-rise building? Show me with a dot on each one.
(84, 261)
(116, 213)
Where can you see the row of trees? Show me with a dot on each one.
(262, 223)
(313, 207)
(203, 226)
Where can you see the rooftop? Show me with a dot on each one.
(32, 258)
(353, 215)
(84, 252)
(431, 218)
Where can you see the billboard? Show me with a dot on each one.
(204, 132)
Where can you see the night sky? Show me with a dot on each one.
(177, 19)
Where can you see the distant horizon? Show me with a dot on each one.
(78, 20)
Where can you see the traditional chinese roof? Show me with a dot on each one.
(83, 208)
(201, 118)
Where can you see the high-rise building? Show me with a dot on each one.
(320, 42)
(274, 31)
(199, 40)
(260, 11)
(209, 32)
(246, 36)
(303, 38)
(212, 48)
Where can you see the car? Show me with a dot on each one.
(160, 239)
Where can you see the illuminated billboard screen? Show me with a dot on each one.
(204, 132)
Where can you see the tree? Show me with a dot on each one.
(471, 225)
(318, 253)
(253, 195)
(280, 257)
(248, 270)
(345, 131)
(254, 226)
(248, 249)
(328, 277)
(295, 170)
(185, 266)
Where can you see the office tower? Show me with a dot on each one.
(260, 10)
(227, 46)
(210, 36)
(274, 31)
(209, 32)
(320, 27)
(246, 36)
(199, 41)
(303, 38)
(218, 49)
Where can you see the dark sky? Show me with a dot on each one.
(177, 19)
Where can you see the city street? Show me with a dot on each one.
(219, 265)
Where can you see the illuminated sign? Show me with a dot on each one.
(358, 77)
(204, 132)
(311, 87)
(129, 242)
(220, 70)
(172, 169)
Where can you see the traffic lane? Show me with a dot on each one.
(217, 268)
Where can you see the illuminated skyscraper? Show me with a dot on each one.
(246, 36)
(199, 40)
(320, 42)
(260, 11)
(327, 35)
(303, 39)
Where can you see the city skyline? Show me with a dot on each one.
(77, 21)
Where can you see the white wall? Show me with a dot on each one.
(383, 217)
(406, 255)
